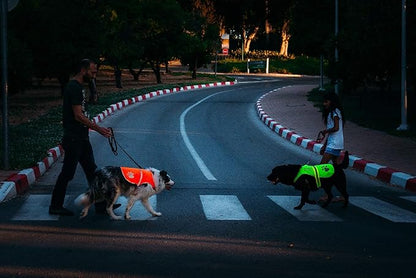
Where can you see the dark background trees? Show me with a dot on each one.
(52, 36)
(47, 37)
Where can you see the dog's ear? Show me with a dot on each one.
(163, 173)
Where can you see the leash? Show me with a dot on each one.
(114, 147)
(319, 139)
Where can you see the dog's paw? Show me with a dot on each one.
(298, 207)
(127, 217)
(116, 217)
(157, 214)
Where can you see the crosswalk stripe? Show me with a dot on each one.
(384, 209)
(409, 198)
(36, 207)
(228, 207)
(307, 213)
(223, 207)
(138, 212)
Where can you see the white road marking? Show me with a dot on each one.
(223, 207)
(409, 198)
(204, 169)
(36, 207)
(138, 212)
(307, 213)
(384, 209)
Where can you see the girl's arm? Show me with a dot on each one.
(333, 129)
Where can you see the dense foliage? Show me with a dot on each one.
(46, 37)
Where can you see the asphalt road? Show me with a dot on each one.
(222, 218)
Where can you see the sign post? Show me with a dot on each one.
(403, 125)
(6, 5)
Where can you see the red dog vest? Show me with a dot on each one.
(138, 176)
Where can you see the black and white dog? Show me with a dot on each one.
(135, 184)
(310, 178)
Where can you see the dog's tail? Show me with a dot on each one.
(90, 195)
(83, 200)
(345, 162)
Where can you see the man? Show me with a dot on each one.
(75, 141)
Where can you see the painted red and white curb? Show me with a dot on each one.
(383, 173)
(19, 183)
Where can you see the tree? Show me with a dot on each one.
(367, 54)
(123, 43)
(160, 26)
(56, 36)
(279, 13)
(201, 38)
(312, 27)
(244, 18)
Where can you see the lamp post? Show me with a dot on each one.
(5, 6)
(403, 125)
(336, 48)
(4, 85)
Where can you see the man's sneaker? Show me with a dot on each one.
(60, 211)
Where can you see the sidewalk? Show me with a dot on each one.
(389, 158)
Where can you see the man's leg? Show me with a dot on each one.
(87, 162)
(67, 173)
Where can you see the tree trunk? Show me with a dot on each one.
(156, 70)
(135, 74)
(194, 68)
(117, 74)
(285, 39)
(250, 38)
(167, 67)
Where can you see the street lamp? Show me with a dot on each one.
(5, 6)
(4, 85)
(403, 125)
(336, 48)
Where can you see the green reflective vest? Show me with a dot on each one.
(317, 171)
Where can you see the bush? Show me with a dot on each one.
(296, 65)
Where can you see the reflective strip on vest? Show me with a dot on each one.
(138, 176)
(317, 171)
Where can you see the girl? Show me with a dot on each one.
(333, 117)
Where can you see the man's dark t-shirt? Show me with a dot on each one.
(74, 94)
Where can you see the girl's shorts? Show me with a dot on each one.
(335, 152)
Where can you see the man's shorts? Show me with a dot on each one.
(334, 152)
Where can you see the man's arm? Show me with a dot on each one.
(80, 117)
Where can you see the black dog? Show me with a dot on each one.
(310, 178)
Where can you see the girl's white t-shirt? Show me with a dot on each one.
(335, 139)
